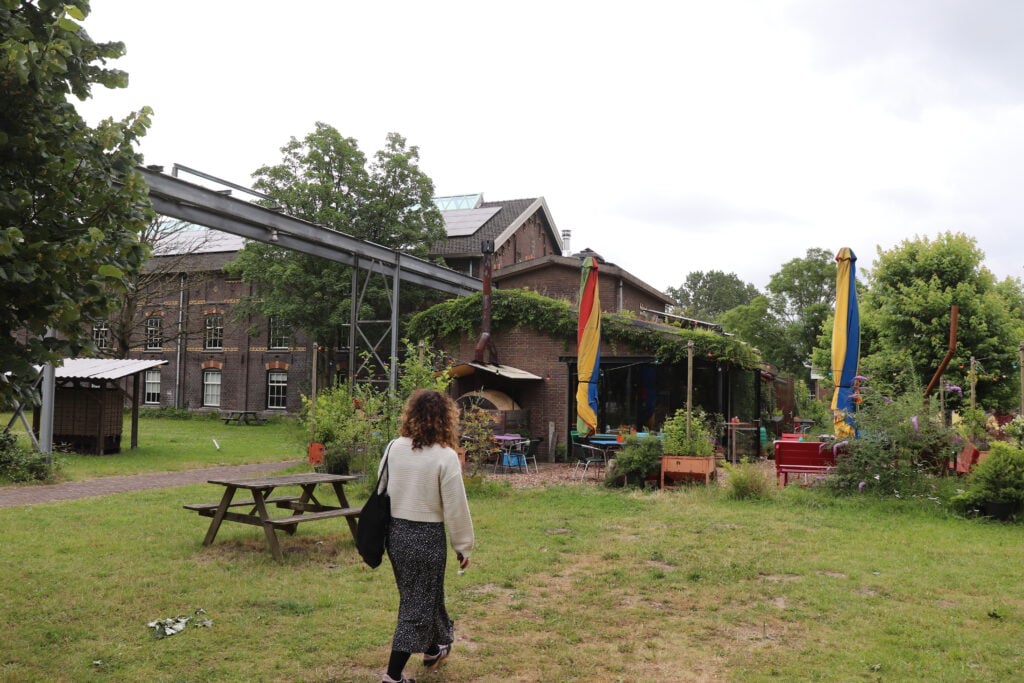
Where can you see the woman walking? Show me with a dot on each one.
(424, 482)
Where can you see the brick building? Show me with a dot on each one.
(213, 362)
(224, 365)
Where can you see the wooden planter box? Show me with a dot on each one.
(687, 467)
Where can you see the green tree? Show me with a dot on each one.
(802, 296)
(912, 289)
(324, 179)
(757, 325)
(706, 295)
(71, 201)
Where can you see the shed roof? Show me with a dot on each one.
(103, 368)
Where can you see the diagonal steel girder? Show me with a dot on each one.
(187, 201)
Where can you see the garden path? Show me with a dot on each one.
(34, 494)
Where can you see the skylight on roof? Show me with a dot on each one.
(459, 201)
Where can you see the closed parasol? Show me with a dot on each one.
(588, 349)
(845, 344)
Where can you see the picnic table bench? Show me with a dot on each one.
(243, 417)
(305, 507)
(803, 457)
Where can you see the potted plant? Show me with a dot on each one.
(688, 444)
(995, 487)
(638, 461)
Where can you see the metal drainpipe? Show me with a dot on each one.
(620, 295)
(178, 403)
(245, 366)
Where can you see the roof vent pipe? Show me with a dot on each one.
(566, 251)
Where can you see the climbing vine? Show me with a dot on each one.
(511, 308)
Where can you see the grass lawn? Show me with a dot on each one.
(567, 583)
(173, 444)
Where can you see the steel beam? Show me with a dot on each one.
(187, 201)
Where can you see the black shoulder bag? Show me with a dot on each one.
(372, 529)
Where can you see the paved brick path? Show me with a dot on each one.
(11, 496)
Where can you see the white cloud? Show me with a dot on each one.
(669, 137)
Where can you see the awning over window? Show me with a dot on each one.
(506, 371)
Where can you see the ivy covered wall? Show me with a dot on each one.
(511, 308)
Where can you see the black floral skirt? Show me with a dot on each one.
(418, 556)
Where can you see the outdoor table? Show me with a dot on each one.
(509, 458)
(304, 507)
(240, 417)
(606, 442)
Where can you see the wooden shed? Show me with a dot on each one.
(88, 403)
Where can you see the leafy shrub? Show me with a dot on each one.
(19, 464)
(997, 479)
(478, 436)
(900, 445)
(1014, 430)
(354, 422)
(635, 461)
(701, 438)
(973, 426)
(748, 481)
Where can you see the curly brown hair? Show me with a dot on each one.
(430, 417)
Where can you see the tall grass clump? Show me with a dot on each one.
(748, 481)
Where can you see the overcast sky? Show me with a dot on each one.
(669, 137)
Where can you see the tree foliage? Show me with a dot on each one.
(324, 179)
(802, 296)
(71, 201)
(707, 295)
(912, 289)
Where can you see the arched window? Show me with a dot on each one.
(152, 392)
(277, 389)
(211, 388)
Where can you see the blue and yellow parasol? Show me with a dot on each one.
(845, 344)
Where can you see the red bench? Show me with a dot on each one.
(802, 457)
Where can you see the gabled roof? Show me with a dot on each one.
(510, 215)
(607, 270)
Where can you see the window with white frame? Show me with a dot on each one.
(211, 388)
(152, 390)
(279, 333)
(154, 333)
(277, 389)
(213, 340)
(101, 334)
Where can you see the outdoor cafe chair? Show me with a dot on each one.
(587, 455)
(531, 453)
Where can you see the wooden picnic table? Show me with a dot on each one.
(243, 417)
(305, 507)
